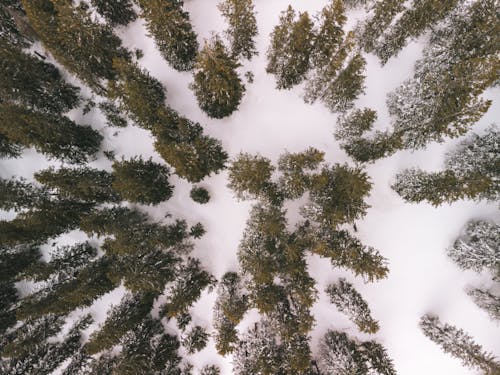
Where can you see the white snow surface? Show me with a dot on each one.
(413, 237)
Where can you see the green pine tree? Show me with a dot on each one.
(118, 12)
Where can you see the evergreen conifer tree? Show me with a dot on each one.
(217, 86)
(17, 194)
(142, 181)
(195, 340)
(459, 344)
(348, 300)
(117, 12)
(487, 301)
(171, 29)
(84, 183)
(54, 135)
(199, 194)
(210, 370)
(242, 27)
(288, 56)
(477, 248)
(8, 149)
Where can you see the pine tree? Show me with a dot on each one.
(65, 262)
(471, 172)
(112, 114)
(8, 149)
(343, 356)
(8, 299)
(459, 344)
(288, 56)
(242, 27)
(84, 183)
(149, 350)
(190, 281)
(195, 340)
(210, 370)
(54, 135)
(382, 13)
(337, 195)
(89, 284)
(353, 4)
(14, 260)
(230, 306)
(414, 21)
(59, 24)
(199, 194)
(118, 12)
(477, 248)
(178, 140)
(171, 29)
(142, 181)
(17, 194)
(486, 301)
(348, 300)
(121, 319)
(9, 29)
(30, 82)
(250, 177)
(444, 95)
(294, 167)
(337, 78)
(217, 86)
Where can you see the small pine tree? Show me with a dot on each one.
(199, 194)
(172, 31)
(117, 12)
(242, 27)
(348, 300)
(217, 86)
(195, 340)
(210, 370)
(142, 181)
(288, 56)
(459, 344)
(487, 301)
(112, 113)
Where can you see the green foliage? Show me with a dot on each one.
(30, 82)
(185, 290)
(294, 180)
(59, 24)
(122, 318)
(288, 56)
(242, 27)
(210, 370)
(171, 29)
(53, 135)
(337, 196)
(17, 194)
(142, 181)
(80, 184)
(195, 340)
(16, 259)
(117, 12)
(217, 86)
(250, 176)
(8, 149)
(113, 116)
(197, 230)
(459, 344)
(199, 194)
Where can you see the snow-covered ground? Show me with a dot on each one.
(413, 237)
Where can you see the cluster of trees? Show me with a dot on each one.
(323, 55)
(274, 277)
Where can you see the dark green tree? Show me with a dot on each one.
(217, 86)
(288, 56)
(31, 82)
(122, 318)
(117, 12)
(8, 149)
(84, 183)
(172, 31)
(185, 290)
(54, 135)
(17, 194)
(459, 344)
(58, 24)
(140, 181)
(199, 194)
(242, 27)
(113, 115)
(210, 370)
(195, 340)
